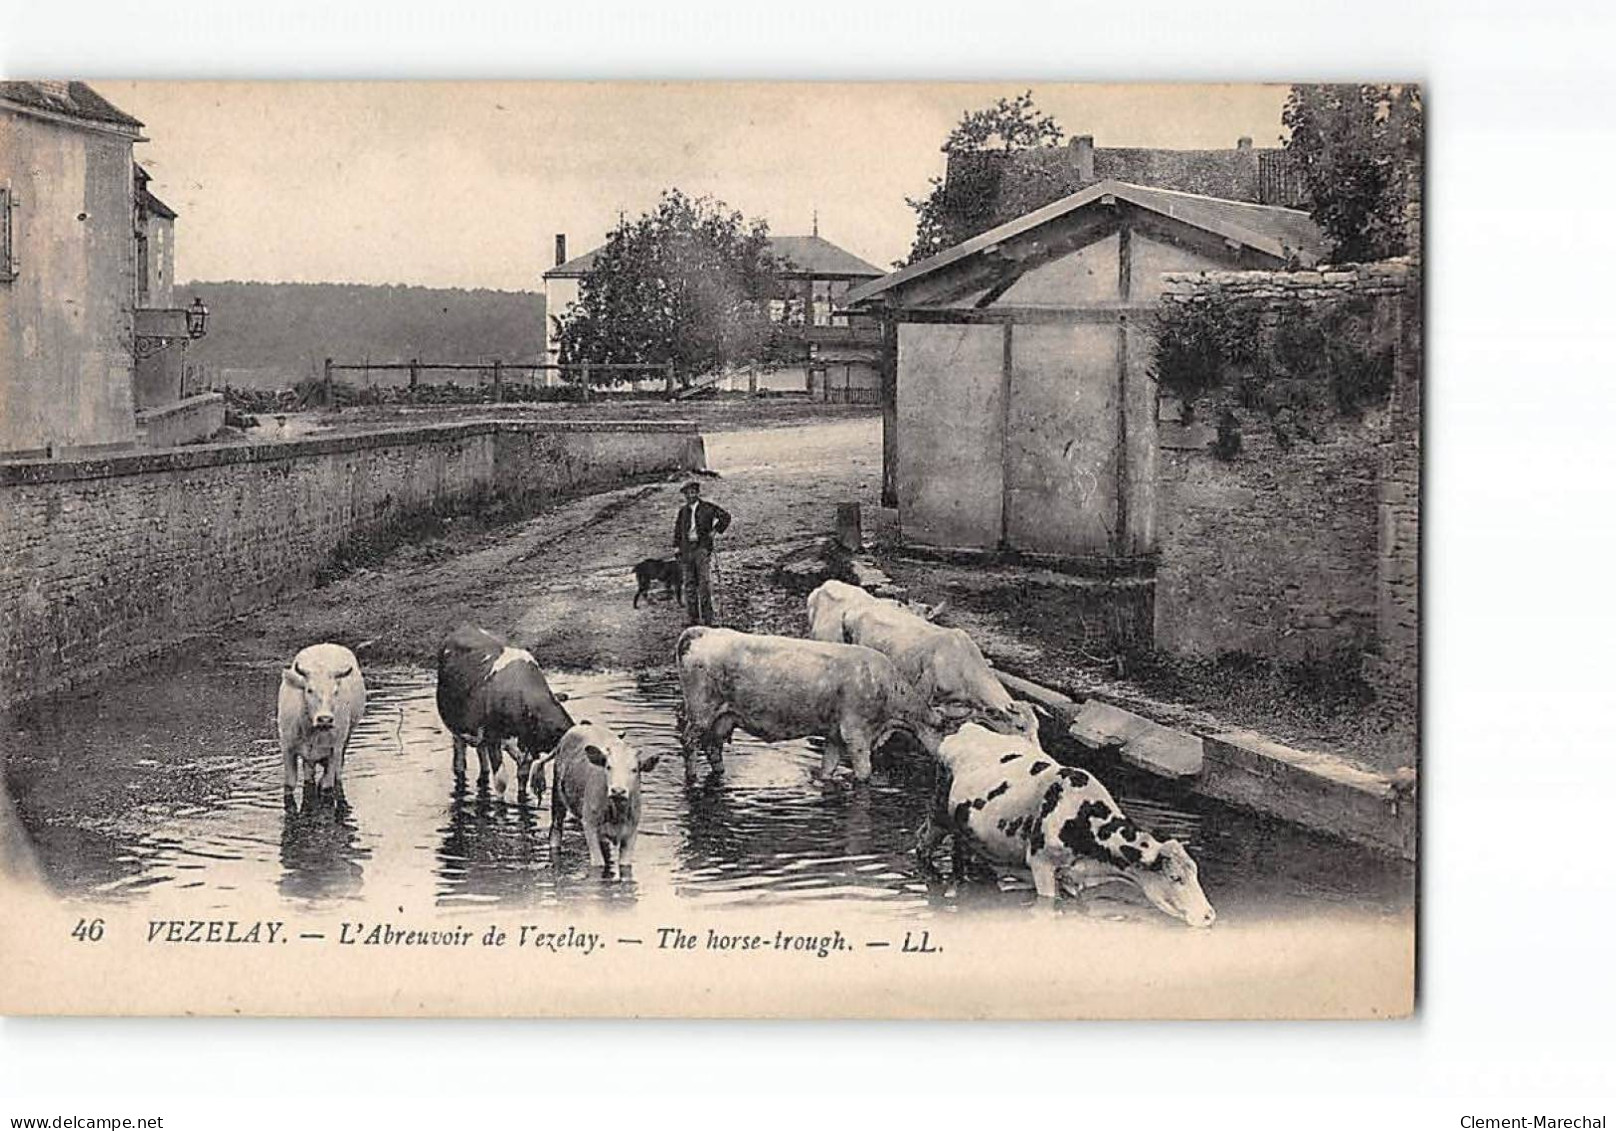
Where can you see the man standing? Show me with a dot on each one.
(693, 534)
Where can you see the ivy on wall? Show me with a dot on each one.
(1291, 365)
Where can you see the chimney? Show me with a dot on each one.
(561, 248)
(1083, 154)
(1243, 143)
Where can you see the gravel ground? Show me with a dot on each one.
(561, 583)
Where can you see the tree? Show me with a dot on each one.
(1356, 147)
(687, 283)
(960, 205)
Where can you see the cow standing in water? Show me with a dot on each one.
(322, 697)
(597, 778)
(779, 687)
(943, 664)
(1006, 800)
(495, 697)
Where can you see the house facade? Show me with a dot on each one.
(159, 372)
(1020, 414)
(67, 280)
(92, 346)
(838, 351)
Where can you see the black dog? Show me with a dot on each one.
(663, 570)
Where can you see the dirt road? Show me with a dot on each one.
(561, 583)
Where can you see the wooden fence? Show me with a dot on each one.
(502, 373)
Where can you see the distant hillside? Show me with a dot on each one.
(272, 334)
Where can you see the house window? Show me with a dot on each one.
(142, 271)
(822, 302)
(8, 263)
(838, 291)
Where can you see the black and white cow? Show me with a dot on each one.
(494, 697)
(1003, 798)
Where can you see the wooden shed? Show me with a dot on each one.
(1020, 414)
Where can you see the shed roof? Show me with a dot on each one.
(1282, 233)
(805, 256)
(73, 99)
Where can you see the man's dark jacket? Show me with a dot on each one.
(710, 519)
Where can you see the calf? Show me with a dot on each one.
(495, 697)
(1010, 803)
(943, 664)
(779, 687)
(665, 570)
(322, 696)
(597, 778)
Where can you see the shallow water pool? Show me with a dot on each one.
(171, 780)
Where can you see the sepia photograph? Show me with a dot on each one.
(711, 549)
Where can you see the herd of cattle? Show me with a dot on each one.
(872, 668)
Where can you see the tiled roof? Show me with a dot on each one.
(804, 255)
(1282, 233)
(813, 255)
(74, 99)
(155, 206)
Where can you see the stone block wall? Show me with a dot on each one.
(105, 561)
(189, 421)
(1300, 552)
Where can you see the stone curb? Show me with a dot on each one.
(1317, 791)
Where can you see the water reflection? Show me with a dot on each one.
(321, 849)
(175, 782)
(490, 850)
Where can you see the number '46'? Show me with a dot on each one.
(90, 930)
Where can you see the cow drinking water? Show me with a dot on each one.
(943, 664)
(322, 696)
(1005, 799)
(597, 779)
(494, 697)
(779, 687)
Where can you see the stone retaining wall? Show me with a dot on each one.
(103, 561)
(1306, 551)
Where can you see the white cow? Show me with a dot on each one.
(943, 664)
(322, 697)
(597, 779)
(778, 687)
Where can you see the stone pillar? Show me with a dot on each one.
(849, 527)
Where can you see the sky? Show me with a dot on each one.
(466, 184)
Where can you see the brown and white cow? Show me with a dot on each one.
(322, 696)
(495, 697)
(943, 664)
(779, 687)
(1011, 804)
(597, 779)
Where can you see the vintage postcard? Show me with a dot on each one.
(710, 549)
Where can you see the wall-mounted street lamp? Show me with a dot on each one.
(196, 326)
